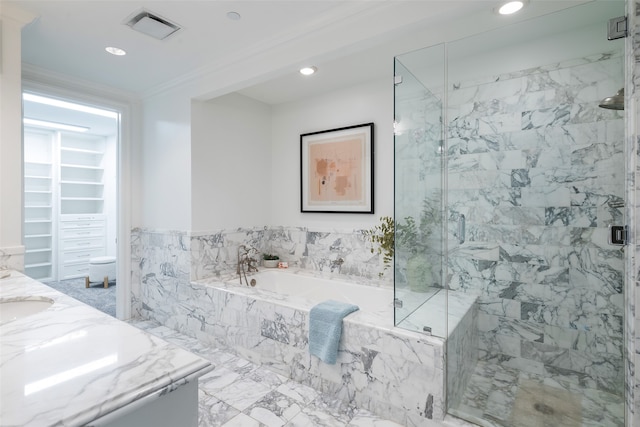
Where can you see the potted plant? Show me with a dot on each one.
(270, 260)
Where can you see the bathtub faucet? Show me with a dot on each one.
(245, 259)
(336, 263)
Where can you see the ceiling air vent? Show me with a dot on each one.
(152, 25)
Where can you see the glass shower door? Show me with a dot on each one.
(418, 127)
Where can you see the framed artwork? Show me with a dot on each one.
(336, 170)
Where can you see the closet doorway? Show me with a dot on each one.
(70, 197)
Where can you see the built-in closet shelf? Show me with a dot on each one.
(81, 182)
(81, 167)
(81, 150)
(67, 190)
(42, 264)
(35, 251)
(38, 163)
(40, 171)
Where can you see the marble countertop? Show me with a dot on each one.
(71, 364)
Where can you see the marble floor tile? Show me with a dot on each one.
(274, 410)
(364, 418)
(217, 379)
(241, 420)
(300, 392)
(242, 393)
(212, 411)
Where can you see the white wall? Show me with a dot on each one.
(110, 180)
(165, 201)
(367, 102)
(230, 163)
(11, 250)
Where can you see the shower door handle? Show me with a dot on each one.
(461, 229)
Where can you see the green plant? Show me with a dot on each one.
(408, 235)
(383, 238)
(270, 257)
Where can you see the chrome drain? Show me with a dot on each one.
(545, 409)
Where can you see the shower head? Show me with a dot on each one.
(615, 102)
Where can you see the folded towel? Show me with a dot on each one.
(325, 328)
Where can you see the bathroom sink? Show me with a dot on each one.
(18, 307)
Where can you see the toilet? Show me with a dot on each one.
(101, 269)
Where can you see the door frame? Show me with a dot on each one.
(127, 105)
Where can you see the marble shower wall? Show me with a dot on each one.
(632, 292)
(537, 169)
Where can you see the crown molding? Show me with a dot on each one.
(37, 76)
(11, 12)
(347, 14)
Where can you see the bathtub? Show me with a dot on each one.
(395, 373)
(303, 291)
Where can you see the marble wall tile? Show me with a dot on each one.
(215, 255)
(632, 83)
(534, 165)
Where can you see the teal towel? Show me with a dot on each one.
(325, 328)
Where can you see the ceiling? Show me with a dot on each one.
(350, 41)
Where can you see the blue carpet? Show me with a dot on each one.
(96, 295)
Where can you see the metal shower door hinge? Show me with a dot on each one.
(618, 235)
(397, 79)
(617, 28)
(397, 303)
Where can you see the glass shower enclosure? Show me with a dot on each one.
(508, 178)
(419, 164)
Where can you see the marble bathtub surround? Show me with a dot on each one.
(243, 394)
(71, 364)
(396, 374)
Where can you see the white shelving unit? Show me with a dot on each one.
(65, 216)
(82, 224)
(39, 200)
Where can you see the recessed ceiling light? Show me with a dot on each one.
(510, 7)
(307, 71)
(115, 51)
(234, 16)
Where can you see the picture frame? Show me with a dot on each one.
(336, 170)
